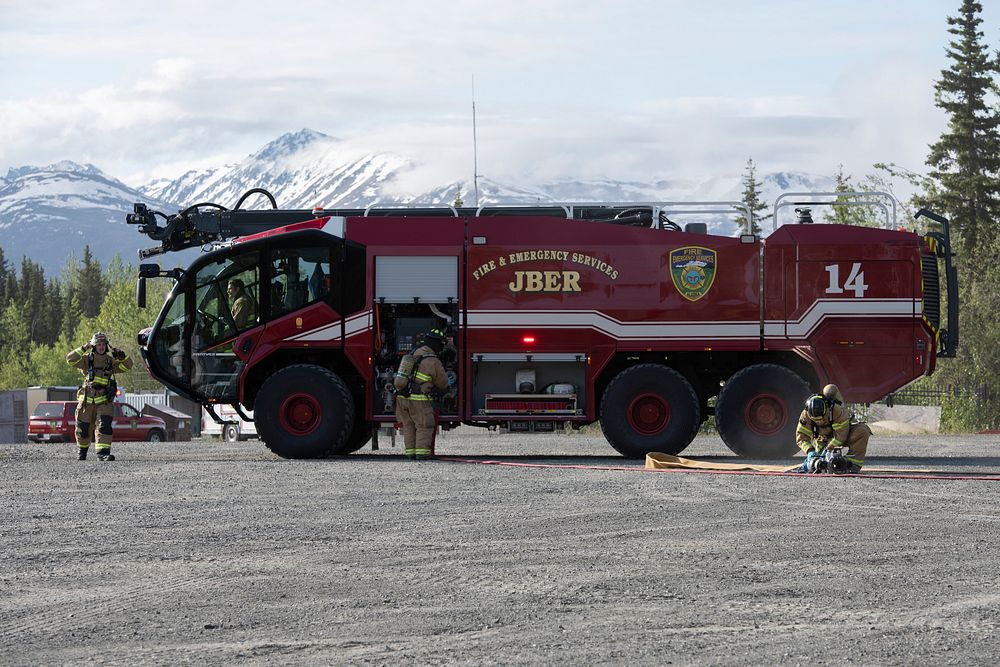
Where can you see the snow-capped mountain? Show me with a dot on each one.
(47, 213)
(301, 169)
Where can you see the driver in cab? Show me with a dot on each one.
(243, 308)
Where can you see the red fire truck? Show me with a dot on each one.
(558, 314)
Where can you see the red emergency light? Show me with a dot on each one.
(528, 339)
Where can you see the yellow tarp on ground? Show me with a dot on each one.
(658, 460)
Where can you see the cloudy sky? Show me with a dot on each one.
(624, 89)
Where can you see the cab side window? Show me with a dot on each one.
(299, 277)
(226, 298)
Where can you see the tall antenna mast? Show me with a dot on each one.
(475, 149)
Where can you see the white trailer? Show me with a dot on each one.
(239, 429)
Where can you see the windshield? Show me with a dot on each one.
(48, 410)
(193, 347)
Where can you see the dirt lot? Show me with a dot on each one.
(210, 553)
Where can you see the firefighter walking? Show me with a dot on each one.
(99, 362)
(415, 413)
(825, 422)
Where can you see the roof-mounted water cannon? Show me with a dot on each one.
(803, 216)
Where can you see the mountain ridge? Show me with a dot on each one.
(79, 204)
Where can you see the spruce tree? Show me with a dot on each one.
(91, 285)
(5, 271)
(965, 176)
(752, 200)
(851, 211)
(965, 161)
(31, 295)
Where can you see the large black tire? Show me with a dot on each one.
(758, 410)
(359, 437)
(304, 412)
(649, 408)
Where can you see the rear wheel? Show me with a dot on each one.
(649, 408)
(758, 410)
(304, 412)
(231, 433)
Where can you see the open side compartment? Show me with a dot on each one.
(397, 327)
(528, 392)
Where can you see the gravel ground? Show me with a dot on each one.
(211, 553)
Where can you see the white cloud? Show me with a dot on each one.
(627, 90)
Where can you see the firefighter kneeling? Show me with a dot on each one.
(97, 393)
(420, 373)
(825, 427)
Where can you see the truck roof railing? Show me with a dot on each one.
(656, 208)
(422, 208)
(869, 199)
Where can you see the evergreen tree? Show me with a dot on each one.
(52, 313)
(965, 161)
(48, 364)
(752, 200)
(15, 348)
(850, 211)
(965, 175)
(90, 285)
(5, 271)
(72, 314)
(31, 295)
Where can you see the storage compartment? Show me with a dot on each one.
(398, 326)
(556, 384)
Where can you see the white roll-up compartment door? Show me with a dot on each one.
(426, 278)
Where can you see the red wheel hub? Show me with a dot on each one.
(765, 414)
(648, 414)
(300, 414)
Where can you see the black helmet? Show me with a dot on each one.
(816, 407)
(434, 339)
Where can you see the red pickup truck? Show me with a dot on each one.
(55, 421)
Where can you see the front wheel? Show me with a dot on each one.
(232, 433)
(359, 437)
(155, 435)
(757, 411)
(649, 408)
(304, 412)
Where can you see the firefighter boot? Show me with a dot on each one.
(82, 456)
(105, 455)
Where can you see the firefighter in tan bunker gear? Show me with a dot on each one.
(825, 422)
(99, 362)
(416, 412)
(243, 308)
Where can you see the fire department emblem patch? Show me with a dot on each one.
(693, 271)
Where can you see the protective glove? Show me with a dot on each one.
(117, 354)
(811, 456)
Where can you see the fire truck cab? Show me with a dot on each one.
(568, 314)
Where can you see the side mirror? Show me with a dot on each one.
(149, 270)
(140, 291)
